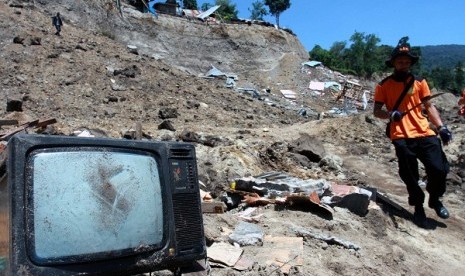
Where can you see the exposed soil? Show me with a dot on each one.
(88, 79)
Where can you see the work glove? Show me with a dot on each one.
(395, 116)
(445, 134)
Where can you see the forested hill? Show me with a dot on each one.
(445, 56)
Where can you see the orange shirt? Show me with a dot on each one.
(462, 102)
(413, 124)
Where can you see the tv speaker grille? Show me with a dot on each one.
(188, 222)
(180, 152)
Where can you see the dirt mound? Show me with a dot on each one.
(89, 78)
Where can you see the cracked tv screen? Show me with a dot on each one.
(91, 202)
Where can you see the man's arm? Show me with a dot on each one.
(433, 113)
(379, 112)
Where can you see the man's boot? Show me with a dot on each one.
(419, 217)
(437, 205)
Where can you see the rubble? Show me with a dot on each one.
(238, 135)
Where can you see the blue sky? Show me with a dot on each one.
(323, 22)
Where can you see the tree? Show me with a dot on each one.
(442, 78)
(321, 55)
(189, 4)
(276, 7)
(337, 53)
(206, 6)
(227, 10)
(258, 10)
(362, 56)
(459, 77)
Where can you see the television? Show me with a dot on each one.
(98, 206)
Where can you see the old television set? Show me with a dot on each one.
(98, 206)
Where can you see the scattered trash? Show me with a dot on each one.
(317, 85)
(288, 94)
(302, 232)
(312, 63)
(247, 234)
(284, 252)
(223, 254)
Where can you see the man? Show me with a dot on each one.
(411, 134)
(462, 103)
(56, 21)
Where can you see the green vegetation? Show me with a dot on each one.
(276, 7)
(206, 6)
(258, 10)
(189, 4)
(363, 57)
(227, 11)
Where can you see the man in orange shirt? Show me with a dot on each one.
(411, 134)
(462, 103)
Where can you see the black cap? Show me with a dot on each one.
(402, 49)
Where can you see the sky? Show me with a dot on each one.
(323, 22)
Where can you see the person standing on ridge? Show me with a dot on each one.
(410, 132)
(57, 22)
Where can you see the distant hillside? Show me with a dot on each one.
(445, 56)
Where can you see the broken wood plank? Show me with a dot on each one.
(213, 207)
(34, 124)
(138, 128)
(389, 201)
(46, 122)
(8, 122)
(22, 127)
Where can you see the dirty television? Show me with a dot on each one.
(98, 206)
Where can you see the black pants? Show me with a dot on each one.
(429, 151)
(58, 27)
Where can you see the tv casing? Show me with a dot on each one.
(183, 240)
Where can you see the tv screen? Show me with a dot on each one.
(99, 206)
(92, 203)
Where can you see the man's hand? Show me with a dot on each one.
(395, 116)
(445, 134)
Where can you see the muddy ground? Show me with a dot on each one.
(88, 79)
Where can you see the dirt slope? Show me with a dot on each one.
(87, 78)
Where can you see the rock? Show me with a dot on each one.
(18, 40)
(167, 124)
(308, 146)
(133, 49)
(130, 72)
(332, 162)
(14, 105)
(168, 113)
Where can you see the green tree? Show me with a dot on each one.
(361, 55)
(338, 52)
(363, 58)
(228, 10)
(189, 4)
(258, 10)
(459, 77)
(206, 6)
(276, 7)
(321, 55)
(442, 78)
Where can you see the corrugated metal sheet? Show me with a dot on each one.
(208, 12)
